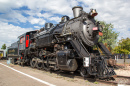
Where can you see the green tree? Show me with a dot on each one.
(123, 47)
(3, 46)
(109, 36)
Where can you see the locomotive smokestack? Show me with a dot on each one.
(77, 11)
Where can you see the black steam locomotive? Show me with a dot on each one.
(68, 46)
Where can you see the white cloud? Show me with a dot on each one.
(37, 27)
(45, 15)
(112, 11)
(58, 19)
(9, 33)
(63, 7)
(6, 5)
(55, 6)
(34, 20)
(13, 16)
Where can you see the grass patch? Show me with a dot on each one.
(95, 82)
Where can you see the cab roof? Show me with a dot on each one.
(25, 34)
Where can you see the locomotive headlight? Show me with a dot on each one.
(100, 28)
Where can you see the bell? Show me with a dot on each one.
(93, 13)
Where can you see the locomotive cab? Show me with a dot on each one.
(24, 43)
(24, 40)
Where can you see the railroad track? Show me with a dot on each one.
(125, 80)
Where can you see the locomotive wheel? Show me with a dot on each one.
(22, 64)
(39, 65)
(33, 63)
(56, 66)
(84, 72)
(45, 66)
(18, 62)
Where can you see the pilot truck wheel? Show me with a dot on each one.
(84, 72)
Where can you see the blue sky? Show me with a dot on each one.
(20, 16)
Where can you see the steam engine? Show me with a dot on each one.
(67, 46)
